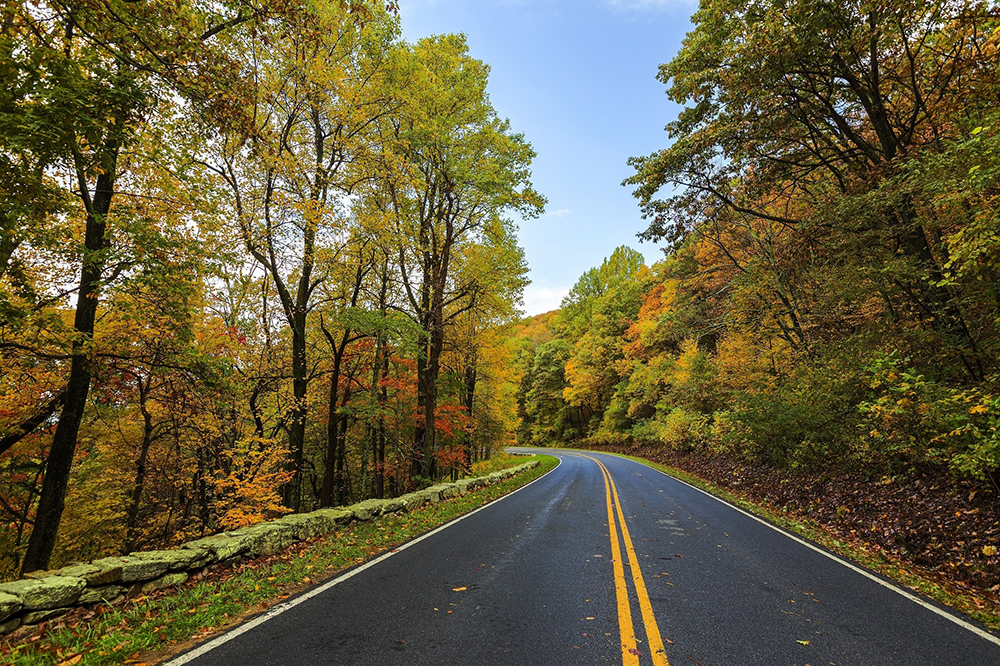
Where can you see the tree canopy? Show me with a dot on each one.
(254, 258)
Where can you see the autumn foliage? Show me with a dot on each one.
(223, 294)
(827, 305)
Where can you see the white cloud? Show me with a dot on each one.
(562, 212)
(543, 299)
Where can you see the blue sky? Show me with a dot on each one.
(578, 78)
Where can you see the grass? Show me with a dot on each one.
(146, 629)
(906, 575)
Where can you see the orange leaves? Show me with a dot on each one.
(248, 494)
(452, 457)
(451, 419)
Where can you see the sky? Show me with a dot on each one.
(578, 79)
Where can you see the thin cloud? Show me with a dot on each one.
(562, 212)
(543, 299)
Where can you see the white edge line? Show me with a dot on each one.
(850, 565)
(274, 611)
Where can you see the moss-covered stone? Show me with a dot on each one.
(223, 546)
(176, 559)
(391, 506)
(103, 594)
(168, 580)
(45, 593)
(442, 491)
(109, 570)
(136, 569)
(309, 525)
(9, 625)
(35, 617)
(76, 570)
(368, 509)
(9, 604)
(339, 515)
(269, 538)
(411, 501)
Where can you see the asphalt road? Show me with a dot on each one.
(539, 578)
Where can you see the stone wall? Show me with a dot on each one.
(43, 595)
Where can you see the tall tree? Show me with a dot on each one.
(104, 69)
(453, 169)
(318, 96)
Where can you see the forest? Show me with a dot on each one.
(262, 258)
(255, 258)
(828, 302)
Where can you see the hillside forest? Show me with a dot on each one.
(254, 258)
(826, 312)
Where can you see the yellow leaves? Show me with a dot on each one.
(979, 409)
(989, 551)
(249, 492)
(459, 589)
(684, 366)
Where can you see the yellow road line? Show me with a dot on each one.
(655, 642)
(653, 638)
(630, 655)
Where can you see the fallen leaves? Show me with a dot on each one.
(459, 589)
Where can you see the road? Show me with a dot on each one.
(539, 578)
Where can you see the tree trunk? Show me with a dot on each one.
(469, 401)
(292, 494)
(60, 460)
(132, 513)
(326, 496)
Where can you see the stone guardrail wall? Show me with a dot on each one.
(44, 595)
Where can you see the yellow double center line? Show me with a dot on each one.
(630, 654)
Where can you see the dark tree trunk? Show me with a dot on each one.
(132, 513)
(327, 492)
(60, 460)
(471, 377)
(343, 489)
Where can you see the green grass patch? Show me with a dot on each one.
(906, 575)
(142, 629)
(498, 461)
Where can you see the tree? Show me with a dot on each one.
(318, 96)
(805, 114)
(104, 70)
(452, 170)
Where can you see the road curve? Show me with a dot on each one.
(539, 577)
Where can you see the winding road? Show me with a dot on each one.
(538, 577)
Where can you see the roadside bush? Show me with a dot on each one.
(678, 429)
(909, 420)
(805, 420)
